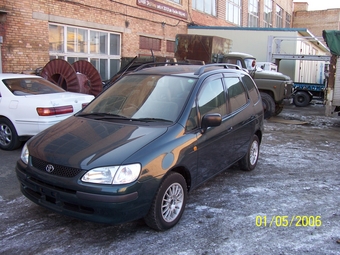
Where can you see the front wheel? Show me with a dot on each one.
(168, 205)
(278, 109)
(249, 161)
(9, 139)
(268, 105)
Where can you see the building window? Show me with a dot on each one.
(148, 43)
(77, 40)
(288, 20)
(233, 12)
(98, 42)
(176, 1)
(253, 15)
(279, 16)
(100, 48)
(268, 9)
(56, 38)
(170, 46)
(206, 6)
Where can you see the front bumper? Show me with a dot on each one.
(86, 205)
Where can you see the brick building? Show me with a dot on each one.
(105, 31)
(316, 21)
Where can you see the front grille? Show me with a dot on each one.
(59, 170)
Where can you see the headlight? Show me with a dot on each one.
(127, 174)
(113, 174)
(24, 154)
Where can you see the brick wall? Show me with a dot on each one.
(25, 44)
(25, 29)
(300, 6)
(316, 21)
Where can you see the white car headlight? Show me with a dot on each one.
(113, 174)
(24, 154)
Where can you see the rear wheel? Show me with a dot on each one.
(9, 139)
(268, 105)
(301, 99)
(249, 161)
(168, 205)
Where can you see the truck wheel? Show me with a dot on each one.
(268, 105)
(278, 109)
(168, 205)
(301, 99)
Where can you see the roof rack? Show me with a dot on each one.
(153, 64)
(224, 65)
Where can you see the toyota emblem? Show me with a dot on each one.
(49, 168)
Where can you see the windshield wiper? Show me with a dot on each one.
(153, 119)
(102, 115)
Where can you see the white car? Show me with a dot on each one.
(30, 104)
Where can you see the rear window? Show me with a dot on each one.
(236, 93)
(31, 86)
(252, 91)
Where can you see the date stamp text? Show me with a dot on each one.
(288, 221)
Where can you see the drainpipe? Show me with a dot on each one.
(1, 41)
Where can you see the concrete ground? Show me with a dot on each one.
(288, 205)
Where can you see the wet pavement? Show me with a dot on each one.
(288, 205)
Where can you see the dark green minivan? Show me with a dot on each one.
(146, 141)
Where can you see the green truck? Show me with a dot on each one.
(276, 88)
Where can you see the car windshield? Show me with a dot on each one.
(31, 86)
(144, 97)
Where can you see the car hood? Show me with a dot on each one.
(86, 143)
(262, 74)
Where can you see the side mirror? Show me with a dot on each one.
(210, 120)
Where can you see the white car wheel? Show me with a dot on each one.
(9, 139)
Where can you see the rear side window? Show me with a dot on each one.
(236, 93)
(252, 90)
(212, 99)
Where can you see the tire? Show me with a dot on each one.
(9, 139)
(164, 213)
(278, 109)
(249, 161)
(301, 99)
(268, 105)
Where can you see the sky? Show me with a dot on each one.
(321, 4)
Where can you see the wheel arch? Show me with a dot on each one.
(21, 138)
(258, 133)
(269, 92)
(9, 119)
(184, 172)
